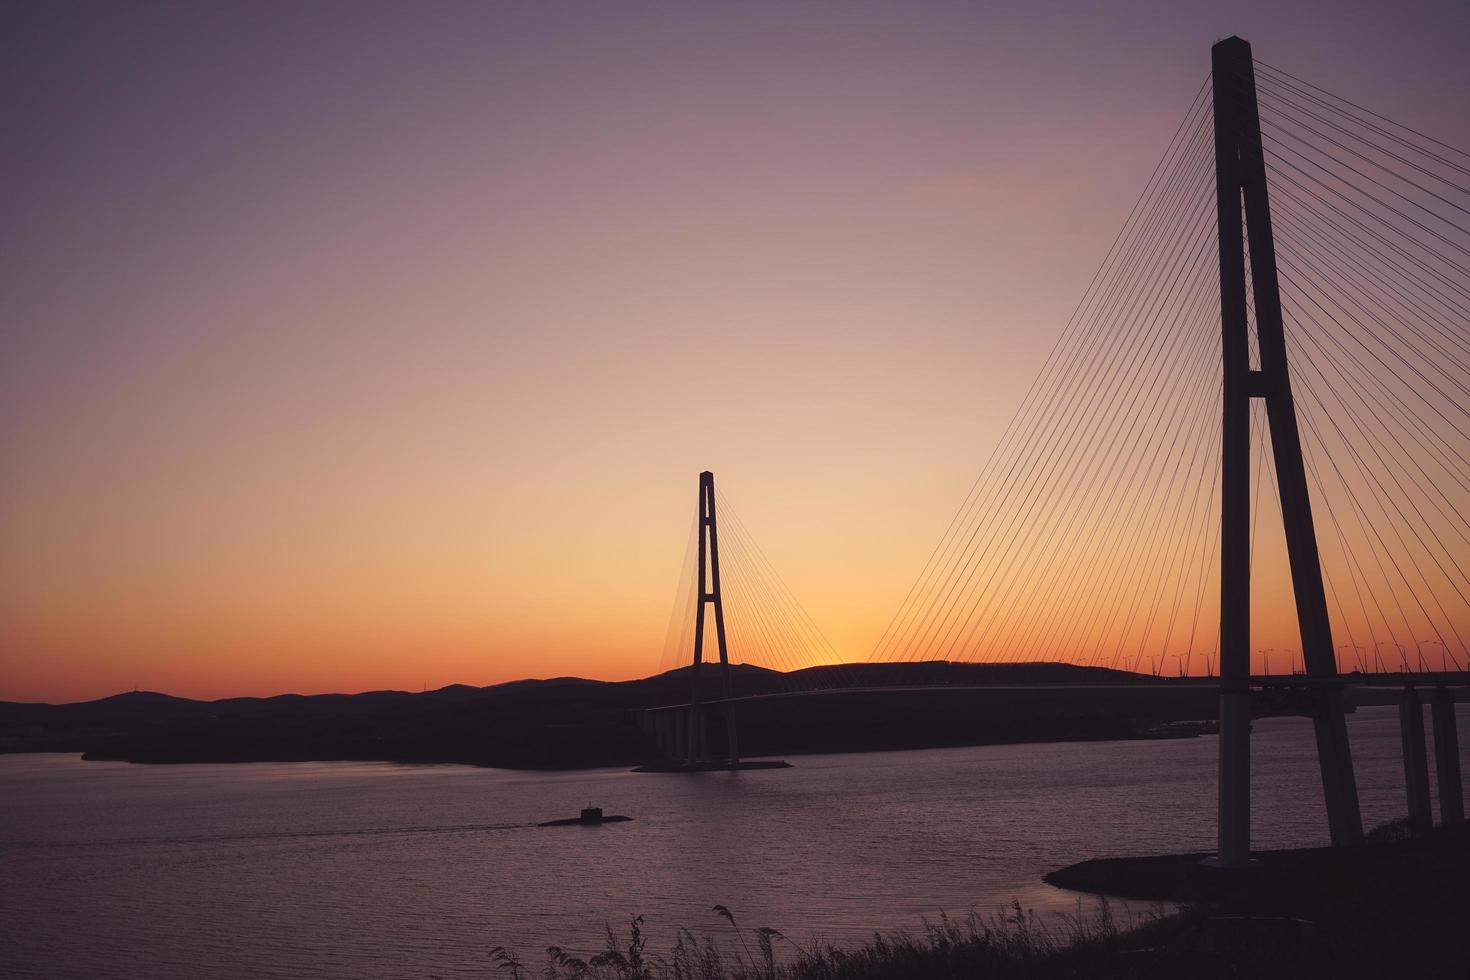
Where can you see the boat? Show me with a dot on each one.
(591, 817)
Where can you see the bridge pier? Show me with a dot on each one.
(682, 735)
(1334, 759)
(695, 725)
(732, 742)
(1416, 765)
(1233, 819)
(1447, 757)
(680, 726)
(691, 735)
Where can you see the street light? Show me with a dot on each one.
(1420, 644)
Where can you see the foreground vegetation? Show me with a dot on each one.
(1394, 907)
(1014, 943)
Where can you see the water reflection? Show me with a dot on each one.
(382, 870)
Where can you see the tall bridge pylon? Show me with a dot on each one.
(707, 591)
(1240, 178)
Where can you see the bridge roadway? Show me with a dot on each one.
(682, 733)
(1260, 681)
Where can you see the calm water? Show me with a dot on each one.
(381, 870)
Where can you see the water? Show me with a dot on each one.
(381, 870)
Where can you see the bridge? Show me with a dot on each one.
(1117, 524)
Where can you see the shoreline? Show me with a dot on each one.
(643, 765)
(1392, 906)
(1184, 878)
(93, 756)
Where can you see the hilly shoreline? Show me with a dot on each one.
(567, 722)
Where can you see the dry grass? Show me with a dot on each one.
(1013, 943)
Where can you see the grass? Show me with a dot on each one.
(1393, 907)
(1013, 943)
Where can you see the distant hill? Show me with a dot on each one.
(573, 722)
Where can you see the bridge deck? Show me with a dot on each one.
(1301, 681)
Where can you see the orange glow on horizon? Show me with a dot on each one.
(384, 354)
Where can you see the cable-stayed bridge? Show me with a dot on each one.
(1262, 401)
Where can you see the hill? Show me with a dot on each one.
(570, 722)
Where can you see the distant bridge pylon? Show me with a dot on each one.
(707, 592)
(769, 629)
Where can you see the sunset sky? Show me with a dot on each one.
(353, 345)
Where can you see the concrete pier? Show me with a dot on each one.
(691, 735)
(732, 741)
(1416, 763)
(681, 734)
(1334, 758)
(1447, 757)
(1233, 844)
(688, 740)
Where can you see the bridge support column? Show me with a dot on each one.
(1233, 819)
(691, 735)
(680, 726)
(1339, 784)
(1447, 757)
(1416, 765)
(732, 740)
(661, 732)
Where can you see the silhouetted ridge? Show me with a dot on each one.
(574, 722)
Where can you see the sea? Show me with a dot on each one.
(357, 869)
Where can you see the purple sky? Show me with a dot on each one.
(358, 344)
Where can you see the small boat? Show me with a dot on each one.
(591, 817)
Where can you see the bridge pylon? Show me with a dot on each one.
(1240, 177)
(707, 587)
